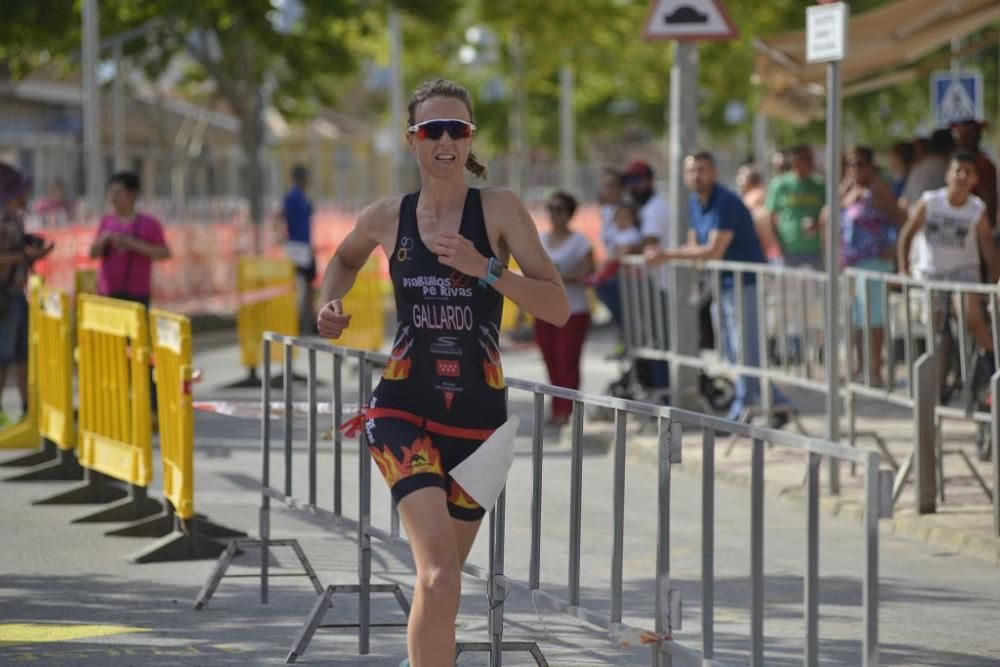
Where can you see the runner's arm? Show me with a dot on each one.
(354, 251)
(910, 229)
(540, 290)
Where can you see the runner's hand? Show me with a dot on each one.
(459, 253)
(331, 320)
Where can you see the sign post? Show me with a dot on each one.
(685, 22)
(826, 41)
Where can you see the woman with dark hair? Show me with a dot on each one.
(562, 346)
(870, 219)
(442, 393)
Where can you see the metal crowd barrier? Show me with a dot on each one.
(789, 304)
(908, 319)
(789, 336)
(666, 612)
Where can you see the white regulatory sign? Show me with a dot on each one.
(826, 32)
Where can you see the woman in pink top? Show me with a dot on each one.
(127, 243)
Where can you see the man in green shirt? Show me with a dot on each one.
(794, 200)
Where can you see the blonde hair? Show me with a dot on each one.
(446, 88)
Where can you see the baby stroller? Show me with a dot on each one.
(638, 380)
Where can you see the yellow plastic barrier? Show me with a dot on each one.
(115, 416)
(512, 317)
(85, 281)
(366, 304)
(54, 367)
(24, 434)
(174, 374)
(268, 302)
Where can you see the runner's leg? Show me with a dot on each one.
(431, 628)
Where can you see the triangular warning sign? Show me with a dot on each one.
(688, 20)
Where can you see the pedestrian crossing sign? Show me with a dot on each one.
(956, 96)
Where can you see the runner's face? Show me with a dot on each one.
(445, 156)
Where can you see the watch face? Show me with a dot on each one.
(496, 268)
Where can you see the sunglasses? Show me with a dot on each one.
(434, 129)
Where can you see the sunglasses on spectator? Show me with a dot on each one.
(556, 208)
(435, 128)
(857, 163)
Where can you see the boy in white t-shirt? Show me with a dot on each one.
(949, 232)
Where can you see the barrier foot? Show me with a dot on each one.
(226, 559)
(323, 603)
(136, 506)
(65, 468)
(95, 489)
(35, 457)
(513, 647)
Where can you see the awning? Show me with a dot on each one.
(883, 42)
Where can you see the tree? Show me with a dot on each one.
(246, 53)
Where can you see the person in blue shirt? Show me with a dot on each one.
(721, 227)
(297, 211)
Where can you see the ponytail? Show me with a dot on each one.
(473, 164)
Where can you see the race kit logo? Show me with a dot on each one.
(456, 285)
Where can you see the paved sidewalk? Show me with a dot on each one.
(57, 578)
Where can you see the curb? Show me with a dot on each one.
(911, 527)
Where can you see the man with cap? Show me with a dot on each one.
(657, 228)
(654, 213)
(16, 256)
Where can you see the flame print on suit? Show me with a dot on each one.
(398, 367)
(459, 498)
(420, 457)
(492, 368)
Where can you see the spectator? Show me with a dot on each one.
(654, 214)
(779, 163)
(968, 133)
(297, 211)
(54, 208)
(921, 149)
(751, 186)
(951, 233)
(928, 173)
(16, 256)
(721, 228)
(610, 199)
(562, 347)
(901, 161)
(794, 201)
(870, 216)
(127, 243)
(657, 229)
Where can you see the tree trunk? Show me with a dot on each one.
(252, 139)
